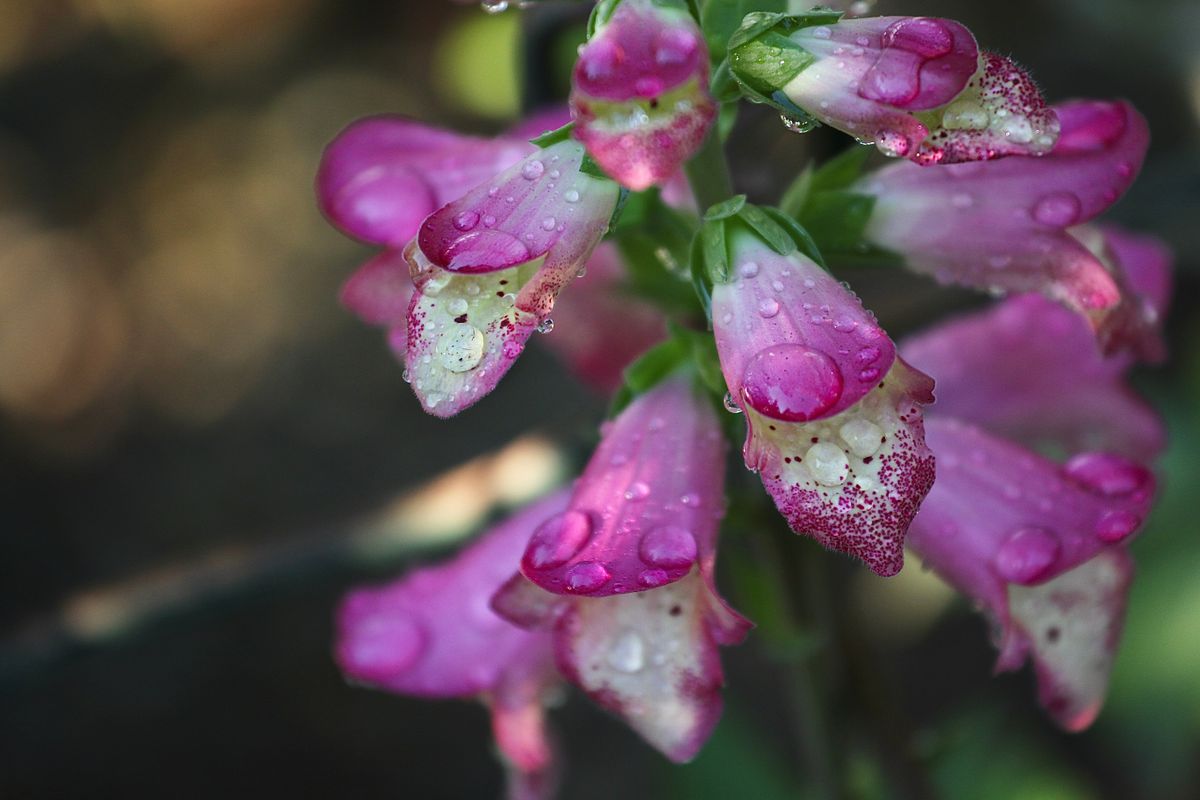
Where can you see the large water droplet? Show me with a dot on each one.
(1057, 209)
(466, 220)
(1026, 555)
(460, 348)
(1117, 525)
(827, 464)
(571, 196)
(457, 307)
(559, 539)
(638, 490)
(587, 576)
(748, 270)
(628, 653)
(768, 307)
(1109, 475)
(484, 251)
(549, 223)
(668, 546)
(533, 169)
(730, 404)
(892, 144)
(791, 382)
(545, 326)
(862, 436)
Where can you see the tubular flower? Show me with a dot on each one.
(639, 91)
(1008, 225)
(433, 634)
(918, 87)
(1060, 393)
(833, 416)
(1041, 550)
(624, 577)
(489, 266)
(1039, 547)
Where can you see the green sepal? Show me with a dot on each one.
(721, 18)
(714, 252)
(655, 240)
(725, 208)
(803, 240)
(764, 59)
(762, 223)
(648, 370)
(554, 137)
(838, 218)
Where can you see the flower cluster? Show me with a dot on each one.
(1022, 486)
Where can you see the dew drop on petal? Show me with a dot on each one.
(827, 464)
(791, 382)
(638, 490)
(731, 405)
(748, 269)
(862, 436)
(557, 540)
(545, 326)
(1117, 525)
(533, 170)
(466, 220)
(587, 576)
(1057, 209)
(668, 546)
(1026, 555)
(460, 348)
(571, 196)
(768, 307)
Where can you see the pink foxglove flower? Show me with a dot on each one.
(640, 91)
(918, 87)
(833, 416)
(1041, 550)
(1008, 225)
(625, 577)
(489, 266)
(433, 634)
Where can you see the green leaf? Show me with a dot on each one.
(725, 208)
(841, 170)
(796, 195)
(803, 239)
(838, 218)
(714, 251)
(554, 137)
(768, 230)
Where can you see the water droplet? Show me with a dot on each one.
(691, 500)
(668, 546)
(571, 196)
(460, 348)
(651, 578)
(483, 251)
(827, 464)
(748, 269)
(488, 220)
(867, 355)
(385, 645)
(821, 32)
(795, 125)
(639, 490)
(548, 223)
(768, 307)
(1026, 555)
(862, 436)
(532, 170)
(869, 375)
(457, 306)
(791, 382)
(892, 144)
(557, 540)
(545, 326)
(406, 375)
(1117, 525)
(627, 654)
(777, 285)
(466, 220)
(587, 576)
(845, 324)
(731, 405)
(1057, 209)
(1109, 475)
(494, 6)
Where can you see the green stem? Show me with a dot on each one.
(708, 173)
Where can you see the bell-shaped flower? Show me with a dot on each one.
(917, 87)
(624, 576)
(833, 416)
(433, 634)
(1007, 225)
(639, 91)
(489, 266)
(382, 176)
(1040, 549)
(1029, 369)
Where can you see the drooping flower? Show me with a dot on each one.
(624, 576)
(918, 87)
(489, 266)
(1039, 547)
(1008, 225)
(433, 634)
(1041, 550)
(833, 416)
(639, 90)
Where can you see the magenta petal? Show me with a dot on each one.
(794, 343)
(1002, 225)
(433, 634)
(380, 291)
(1029, 369)
(646, 509)
(383, 175)
(640, 93)
(1000, 514)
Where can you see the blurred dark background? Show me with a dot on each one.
(200, 450)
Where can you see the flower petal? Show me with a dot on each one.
(1029, 370)
(383, 175)
(852, 481)
(380, 291)
(647, 507)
